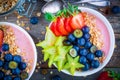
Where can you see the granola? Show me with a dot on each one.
(6, 5)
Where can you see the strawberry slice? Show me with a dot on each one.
(1, 37)
(67, 25)
(77, 21)
(54, 30)
(60, 26)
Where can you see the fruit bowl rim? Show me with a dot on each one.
(31, 41)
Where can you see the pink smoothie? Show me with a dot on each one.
(106, 37)
(25, 46)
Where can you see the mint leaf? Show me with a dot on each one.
(49, 16)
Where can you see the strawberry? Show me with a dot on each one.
(77, 21)
(1, 37)
(103, 76)
(53, 27)
(109, 75)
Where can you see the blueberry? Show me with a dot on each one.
(86, 36)
(86, 67)
(17, 58)
(17, 78)
(0, 53)
(90, 56)
(83, 60)
(86, 29)
(8, 57)
(1, 74)
(56, 77)
(88, 44)
(115, 9)
(5, 47)
(7, 77)
(1, 63)
(16, 71)
(34, 20)
(6, 65)
(98, 53)
(66, 42)
(76, 48)
(22, 65)
(95, 63)
(81, 41)
(71, 38)
(83, 52)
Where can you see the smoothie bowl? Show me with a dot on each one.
(18, 54)
(79, 41)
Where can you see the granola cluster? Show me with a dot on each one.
(6, 5)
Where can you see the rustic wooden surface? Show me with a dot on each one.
(37, 33)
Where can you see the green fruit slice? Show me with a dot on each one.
(72, 64)
(59, 41)
(24, 75)
(50, 39)
(73, 52)
(93, 49)
(13, 65)
(78, 33)
(61, 56)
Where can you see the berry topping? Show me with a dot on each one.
(71, 37)
(95, 63)
(85, 29)
(83, 60)
(8, 57)
(34, 20)
(81, 41)
(17, 58)
(1, 63)
(5, 47)
(98, 53)
(73, 52)
(13, 65)
(78, 33)
(56, 77)
(83, 52)
(16, 71)
(22, 65)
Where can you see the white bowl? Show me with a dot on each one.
(111, 43)
(32, 47)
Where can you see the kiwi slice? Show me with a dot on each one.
(93, 49)
(24, 75)
(73, 52)
(78, 33)
(13, 65)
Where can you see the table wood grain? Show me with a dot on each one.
(38, 31)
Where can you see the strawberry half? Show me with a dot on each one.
(1, 37)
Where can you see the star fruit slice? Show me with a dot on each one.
(72, 64)
(50, 53)
(50, 39)
(61, 57)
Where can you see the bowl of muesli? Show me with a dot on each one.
(18, 55)
(79, 41)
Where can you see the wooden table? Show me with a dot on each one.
(37, 32)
